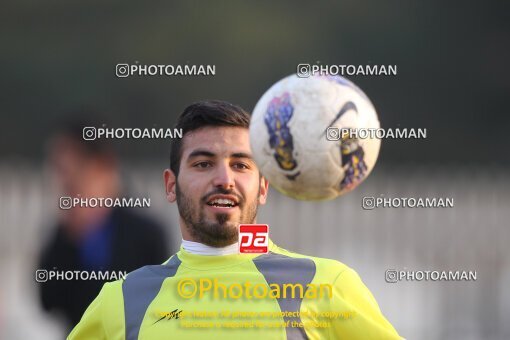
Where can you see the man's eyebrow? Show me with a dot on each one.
(241, 155)
(200, 152)
(207, 153)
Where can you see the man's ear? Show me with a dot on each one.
(170, 184)
(264, 188)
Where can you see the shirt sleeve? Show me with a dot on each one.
(359, 316)
(91, 325)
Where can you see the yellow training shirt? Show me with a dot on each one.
(278, 295)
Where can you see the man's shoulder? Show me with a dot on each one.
(151, 272)
(143, 274)
(325, 269)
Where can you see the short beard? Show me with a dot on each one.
(216, 234)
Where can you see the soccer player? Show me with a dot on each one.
(208, 289)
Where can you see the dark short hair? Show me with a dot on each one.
(215, 113)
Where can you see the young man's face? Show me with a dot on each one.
(218, 186)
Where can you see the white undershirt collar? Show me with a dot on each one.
(202, 249)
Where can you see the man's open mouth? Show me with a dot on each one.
(223, 202)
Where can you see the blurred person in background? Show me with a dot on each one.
(92, 239)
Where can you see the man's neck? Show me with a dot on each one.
(203, 249)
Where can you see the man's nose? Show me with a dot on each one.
(224, 177)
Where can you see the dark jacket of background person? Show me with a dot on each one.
(132, 241)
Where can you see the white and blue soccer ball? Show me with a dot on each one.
(297, 140)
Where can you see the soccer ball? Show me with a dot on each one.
(297, 135)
